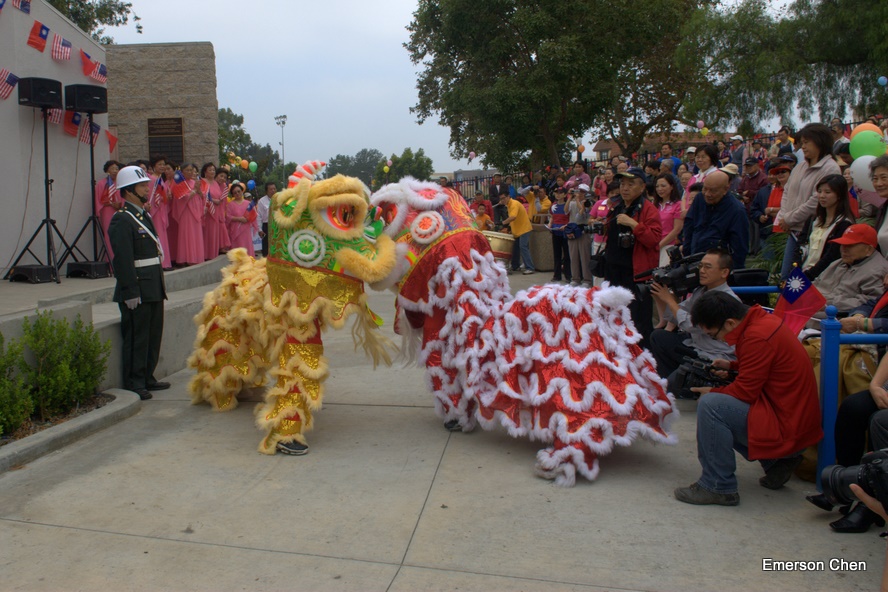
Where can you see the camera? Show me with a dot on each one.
(626, 239)
(681, 276)
(695, 373)
(596, 228)
(587, 203)
(871, 475)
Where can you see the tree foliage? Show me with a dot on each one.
(413, 164)
(510, 77)
(233, 138)
(362, 165)
(92, 16)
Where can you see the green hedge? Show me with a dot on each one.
(53, 368)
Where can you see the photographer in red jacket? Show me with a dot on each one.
(633, 245)
(769, 413)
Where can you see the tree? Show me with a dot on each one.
(362, 165)
(510, 77)
(92, 16)
(416, 165)
(233, 138)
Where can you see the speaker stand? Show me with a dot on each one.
(96, 267)
(49, 271)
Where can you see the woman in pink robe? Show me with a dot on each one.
(173, 221)
(215, 233)
(108, 202)
(241, 220)
(158, 207)
(189, 210)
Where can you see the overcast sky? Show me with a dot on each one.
(336, 68)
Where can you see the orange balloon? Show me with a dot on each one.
(581, 148)
(863, 127)
(244, 164)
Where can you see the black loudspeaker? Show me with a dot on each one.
(40, 92)
(86, 98)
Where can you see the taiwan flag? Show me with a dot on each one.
(72, 122)
(181, 187)
(39, 35)
(798, 301)
(86, 63)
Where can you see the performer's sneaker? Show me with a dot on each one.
(293, 448)
(701, 497)
(453, 426)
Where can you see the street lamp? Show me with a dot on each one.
(281, 120)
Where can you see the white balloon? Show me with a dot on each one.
(861, 174)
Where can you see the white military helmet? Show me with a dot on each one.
(131, 175)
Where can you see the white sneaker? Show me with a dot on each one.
(575, 283)
(528, 272)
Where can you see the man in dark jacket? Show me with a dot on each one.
(769, 413)
(140, 288)
(718, 220)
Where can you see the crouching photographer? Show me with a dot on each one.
(671, 347)
(633, 245)
(769, 413)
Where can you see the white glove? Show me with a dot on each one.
(132, 303)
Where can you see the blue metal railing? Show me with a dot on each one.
(830, 339)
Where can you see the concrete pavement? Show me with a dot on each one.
(177, 498)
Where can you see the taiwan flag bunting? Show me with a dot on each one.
(61, 48)
(72, 122)
(112, 141)
(39, 35)
(99, 73)
(7, 83)
(55, 116)
(23, 5)
(798, 301)
(180, 185)
(90, 133)
(86, 63)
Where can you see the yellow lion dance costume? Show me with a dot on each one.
(267, 315)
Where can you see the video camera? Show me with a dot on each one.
(682, 275)
(694, 372)
(871, 475)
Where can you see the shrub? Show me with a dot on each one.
(63, 366)
(16, 404)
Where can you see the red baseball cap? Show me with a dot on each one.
(857, 234)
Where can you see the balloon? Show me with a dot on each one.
(385, 169)
(860, 172)
(251, 185)
(581, 148)
(244, 164)
(865, 127)
(700, 124)
(253, 166)
(867, 142)
(883, 80)
(472, 155)
(388, 163)
(704, 131)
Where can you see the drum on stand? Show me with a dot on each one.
(501, 244)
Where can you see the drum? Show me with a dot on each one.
(501, 244)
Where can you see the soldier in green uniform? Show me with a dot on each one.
(140, 289)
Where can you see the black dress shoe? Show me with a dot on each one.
(821, 502)
(159, 386)
(858, 520)
(143, 394)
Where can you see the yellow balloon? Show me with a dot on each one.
(385, 169)
(705, 131)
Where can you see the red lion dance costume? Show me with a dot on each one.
(555, 363)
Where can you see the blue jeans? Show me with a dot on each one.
(790, 255)
(722, 429)
(521, 252)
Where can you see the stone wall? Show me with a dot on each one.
(162, 80)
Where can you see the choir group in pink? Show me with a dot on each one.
(197, 217)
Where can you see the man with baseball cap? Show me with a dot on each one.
(140, 288)
(857, 276)
(738, 151)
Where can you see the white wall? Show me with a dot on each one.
(21, 139)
